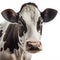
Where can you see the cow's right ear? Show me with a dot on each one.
(10, 15)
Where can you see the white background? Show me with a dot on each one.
(51, 31)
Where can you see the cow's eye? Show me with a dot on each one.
(23, 27)
(39, 25)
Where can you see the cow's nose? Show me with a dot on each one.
(33, 46)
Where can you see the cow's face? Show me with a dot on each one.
(29, 20)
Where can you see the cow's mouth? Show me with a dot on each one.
(34, 46)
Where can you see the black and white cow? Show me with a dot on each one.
(20, 35)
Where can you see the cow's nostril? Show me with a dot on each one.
(39, 44)
(29, 43)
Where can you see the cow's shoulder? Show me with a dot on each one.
(11, 37)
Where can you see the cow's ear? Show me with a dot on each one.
(10, 15)
(48, 14)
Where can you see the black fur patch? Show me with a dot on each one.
(1, 49)
(1, 32)
(11, 37)
(39, 25)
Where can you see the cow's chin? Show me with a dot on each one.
(34, 50)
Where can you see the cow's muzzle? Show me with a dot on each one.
(33, 46)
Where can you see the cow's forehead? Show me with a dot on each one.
(28, 4)
(30, 12)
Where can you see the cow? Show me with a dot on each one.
(20, 34)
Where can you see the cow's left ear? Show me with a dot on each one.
(10, 15)
(48, 14)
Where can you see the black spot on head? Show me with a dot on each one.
(1, 32)
(39, 25)
(1, 49)
(28, 4)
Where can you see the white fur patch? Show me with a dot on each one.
(30, 14)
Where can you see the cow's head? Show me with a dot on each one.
(30, 20)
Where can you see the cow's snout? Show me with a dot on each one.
(33, 46)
